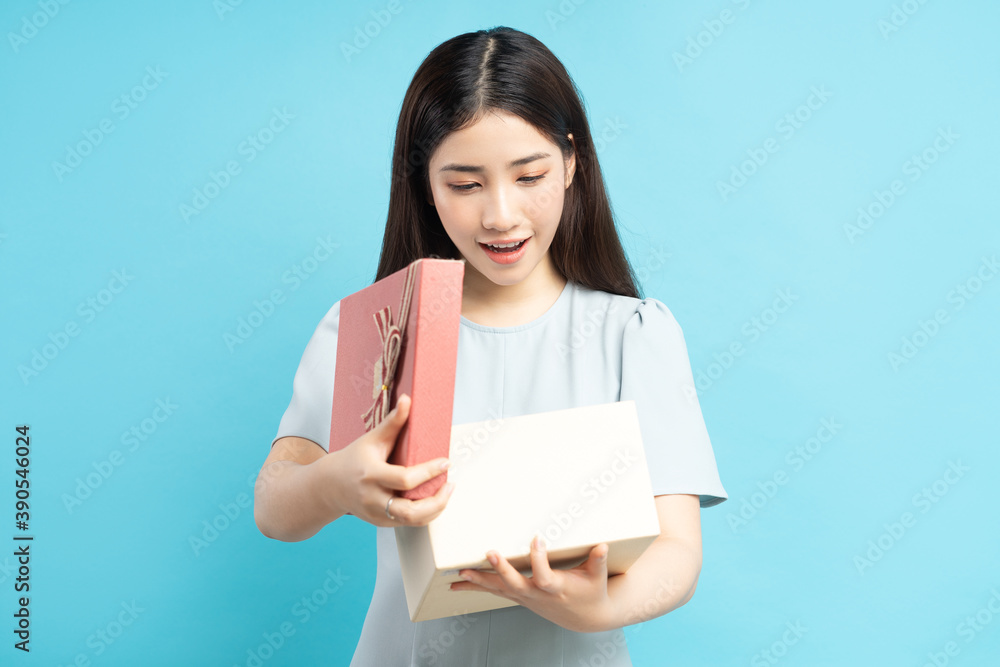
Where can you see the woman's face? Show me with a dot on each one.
(497, 181)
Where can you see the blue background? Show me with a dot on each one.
(682, 127)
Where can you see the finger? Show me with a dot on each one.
(477, 580)
(513, 579)
(404, 478)
(423, 511)
(597, 563)
(469, 586)
(541, 572)
(430, 508)
(495, 588)
(388, 428)
(380, 513)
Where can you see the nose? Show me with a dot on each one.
(499, 212)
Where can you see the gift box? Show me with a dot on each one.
(576, 476)
(400, 336)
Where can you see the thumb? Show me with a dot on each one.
(394, 421)
(598, 561)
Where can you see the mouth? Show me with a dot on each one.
(506, 251)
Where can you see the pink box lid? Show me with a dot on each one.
(400, 336)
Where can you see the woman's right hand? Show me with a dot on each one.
(362, 480)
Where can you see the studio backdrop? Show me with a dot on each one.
(811, 189)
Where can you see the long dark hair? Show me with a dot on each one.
(459, 81)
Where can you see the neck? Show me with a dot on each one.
(484, 299)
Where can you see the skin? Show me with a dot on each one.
(497, 202)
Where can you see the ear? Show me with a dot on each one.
(570, 162)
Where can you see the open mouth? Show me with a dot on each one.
(505, 253)
(506, 247)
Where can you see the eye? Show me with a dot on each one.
(468, 187)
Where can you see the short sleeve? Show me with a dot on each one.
(656, 374)
(308, 414)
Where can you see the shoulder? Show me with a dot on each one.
(625, 311)
(331, 321)
(322, 343)
(332, 316)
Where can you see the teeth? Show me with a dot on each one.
(505, 245)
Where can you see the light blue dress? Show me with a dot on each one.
(590, 347)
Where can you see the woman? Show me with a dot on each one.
(494, 163)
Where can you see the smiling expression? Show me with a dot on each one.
(498, 181)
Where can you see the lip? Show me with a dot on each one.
(506, 257)
(502, 241)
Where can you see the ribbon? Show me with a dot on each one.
(391, 335)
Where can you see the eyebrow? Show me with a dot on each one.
(479, 168)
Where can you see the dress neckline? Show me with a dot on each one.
(563, 297)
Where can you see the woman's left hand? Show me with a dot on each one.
(575, 599)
